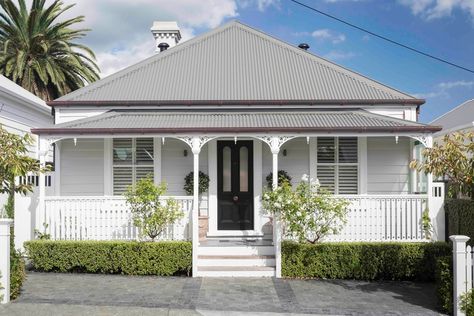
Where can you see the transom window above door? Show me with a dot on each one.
(132, 161)
(337, 164)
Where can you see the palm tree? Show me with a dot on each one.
(37, 51)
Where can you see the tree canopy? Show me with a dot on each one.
(38, 49)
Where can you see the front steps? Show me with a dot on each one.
(236, 258)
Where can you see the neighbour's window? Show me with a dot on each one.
(132, 160)
(337, 164)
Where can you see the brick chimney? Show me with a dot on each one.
(166, 34)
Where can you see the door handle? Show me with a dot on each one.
(235, 198)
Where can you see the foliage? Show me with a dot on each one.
(17, 273)
(189, 183)
(452, 158)
(283, 177)
(307, 214)
(42, 235)
(444, 283)
(15, 162)
(111, 257)
(467, 303)
(362, 260)
(426, 224)
(1, 287)
(151, 213)
(460, 215)
(39, 49)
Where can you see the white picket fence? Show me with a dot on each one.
(102, 218)
(463, 265)
(383, 218)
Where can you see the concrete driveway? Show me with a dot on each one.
(88, 294)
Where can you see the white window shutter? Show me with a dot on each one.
(348, 179)
(326, 177)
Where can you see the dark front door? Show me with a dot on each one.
(235, 185)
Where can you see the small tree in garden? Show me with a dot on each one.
(453, 158)
(15, 162)
(151, 213)
(307, 212)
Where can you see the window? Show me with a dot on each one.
(132, 160)
(337, 164)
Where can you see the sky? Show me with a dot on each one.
(120, 36)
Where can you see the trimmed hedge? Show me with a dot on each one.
(460, 215)
(444, 283)
(17, 273)
(362, 261)
(113, 257)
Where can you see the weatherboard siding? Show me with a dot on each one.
(296, 162)
(82, 167)
(387, 165)
(175, 166)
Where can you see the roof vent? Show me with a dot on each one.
(303, 46)
(163, 46)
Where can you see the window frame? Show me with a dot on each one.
(134, 165)
(336, 164)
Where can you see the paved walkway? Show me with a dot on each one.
(87, 294)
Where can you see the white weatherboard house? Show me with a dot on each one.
(20, 111)
(236, 104)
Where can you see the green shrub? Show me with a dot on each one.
(362, 261)
(17, 273)
(114, 257)
(467, 303)
(460, 215)
(444, 283)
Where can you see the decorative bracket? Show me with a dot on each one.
(426, 140)
(196, 143)
(275, 142)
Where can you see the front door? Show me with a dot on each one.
(235, 185)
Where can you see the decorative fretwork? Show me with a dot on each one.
(426, 140)
(197, 142)
(275, 142)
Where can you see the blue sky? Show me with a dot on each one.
(120, 36)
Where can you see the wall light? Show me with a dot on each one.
(185, 153)
(285, 152)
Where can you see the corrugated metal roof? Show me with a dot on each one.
(235, 62)
(459, 117)
(142, 121)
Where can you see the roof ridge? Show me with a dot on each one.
(452, 110)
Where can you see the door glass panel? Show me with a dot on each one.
(244, 169)
(226, 169)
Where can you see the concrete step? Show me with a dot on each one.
(237, 260)
(232, 271)
(238, 250)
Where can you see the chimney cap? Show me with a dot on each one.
(303, 46)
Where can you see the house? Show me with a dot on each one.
(461, 118)
(20, 111)
(236, 104)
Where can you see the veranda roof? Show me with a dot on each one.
(232, 64)
(154, 121)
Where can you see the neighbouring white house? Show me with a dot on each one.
(236, 104)
(20, 111)
(459, 119)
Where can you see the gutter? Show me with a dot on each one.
(409, 102)
(109, 131)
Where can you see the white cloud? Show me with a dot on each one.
(339, 55)
(328, 35)
(261, 5)
(121, 34)
(433, 9)
(335, 1)
(443, 89)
